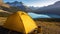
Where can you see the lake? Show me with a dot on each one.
(34, 15)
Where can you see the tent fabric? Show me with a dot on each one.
(21, 22)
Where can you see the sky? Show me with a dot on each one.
(35, 3)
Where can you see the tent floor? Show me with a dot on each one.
(7, 31)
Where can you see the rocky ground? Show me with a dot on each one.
(2, 20)
(49, 27)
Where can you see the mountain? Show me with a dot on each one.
(8, 8)
(19, 5)
(51, 9)
(33, 8)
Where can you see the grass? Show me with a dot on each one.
(49, 27)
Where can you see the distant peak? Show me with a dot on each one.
(58, 2)
(21, 2)
(15, 2)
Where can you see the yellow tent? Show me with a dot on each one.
(21, 22)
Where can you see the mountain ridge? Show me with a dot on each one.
(19, 5)
(51, 9)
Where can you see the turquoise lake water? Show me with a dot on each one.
(34, 15)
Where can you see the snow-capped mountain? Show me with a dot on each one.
(19, 5)
(51, 9)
